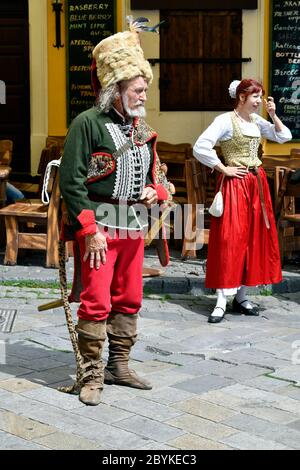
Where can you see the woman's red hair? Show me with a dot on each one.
(247, 87)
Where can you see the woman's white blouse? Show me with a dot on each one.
(221, 129)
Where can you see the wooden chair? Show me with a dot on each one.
(203, 190)
(24, 221)
(6, 147)
(57, 140)
(177, 157)
(288, 217)
(196, 180)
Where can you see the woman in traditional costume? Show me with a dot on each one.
(243, 245)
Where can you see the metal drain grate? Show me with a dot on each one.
(7, 319)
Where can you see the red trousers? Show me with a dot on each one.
(117, 285)
(241, 250)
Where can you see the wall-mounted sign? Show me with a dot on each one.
(193, 5)
(88, 22)
(285, 62)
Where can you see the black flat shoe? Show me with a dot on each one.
(238, 307)
(216, 318)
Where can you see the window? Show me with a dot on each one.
(200, 54)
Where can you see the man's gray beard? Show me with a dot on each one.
(139, 112)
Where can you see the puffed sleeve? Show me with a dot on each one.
(269, 132)
(220, 129)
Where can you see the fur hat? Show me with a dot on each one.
(120, 57)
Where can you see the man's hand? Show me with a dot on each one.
(95, 249)
(149, 197)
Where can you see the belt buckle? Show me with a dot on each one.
(254, 170)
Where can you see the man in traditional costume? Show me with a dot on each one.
(109, 162)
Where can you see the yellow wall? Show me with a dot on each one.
(57, 110)
(57, 87)
(38, 44)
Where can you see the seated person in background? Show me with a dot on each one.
(13, 194)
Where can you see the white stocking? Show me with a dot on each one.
(221, 302)
(241, 297)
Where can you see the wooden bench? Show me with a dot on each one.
(25, 220)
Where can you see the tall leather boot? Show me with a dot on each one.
(91, 338)
(121, 332)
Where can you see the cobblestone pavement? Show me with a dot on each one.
(235, 385)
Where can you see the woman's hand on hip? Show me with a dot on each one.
(236, 171)
(95, 249)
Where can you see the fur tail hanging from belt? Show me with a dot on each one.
(65, 303)
(75, 388)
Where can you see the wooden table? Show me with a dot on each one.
(270, 162)
(4, 173)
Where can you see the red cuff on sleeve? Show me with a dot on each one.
(87, 220)
(162, 193)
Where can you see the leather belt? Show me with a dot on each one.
(255, 171)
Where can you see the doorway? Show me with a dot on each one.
(14, 72)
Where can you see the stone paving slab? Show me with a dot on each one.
(266, 383)
(104, 413)
(18, 385)
(113, 437)
(50, 396)
(203, 409)
(148, 409)
(204, 384)
(202, 427)
(291, 373)
(150, 429)
(284, 435)
(23, 427)
(290, 391)
(64, 441)
(193, 442)
(246, 441)
(10, 442)
(269, 413)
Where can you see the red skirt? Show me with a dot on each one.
(241, 249)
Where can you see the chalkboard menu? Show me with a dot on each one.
(88, 22)
(285, 62)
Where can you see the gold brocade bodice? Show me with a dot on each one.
(240, 149)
